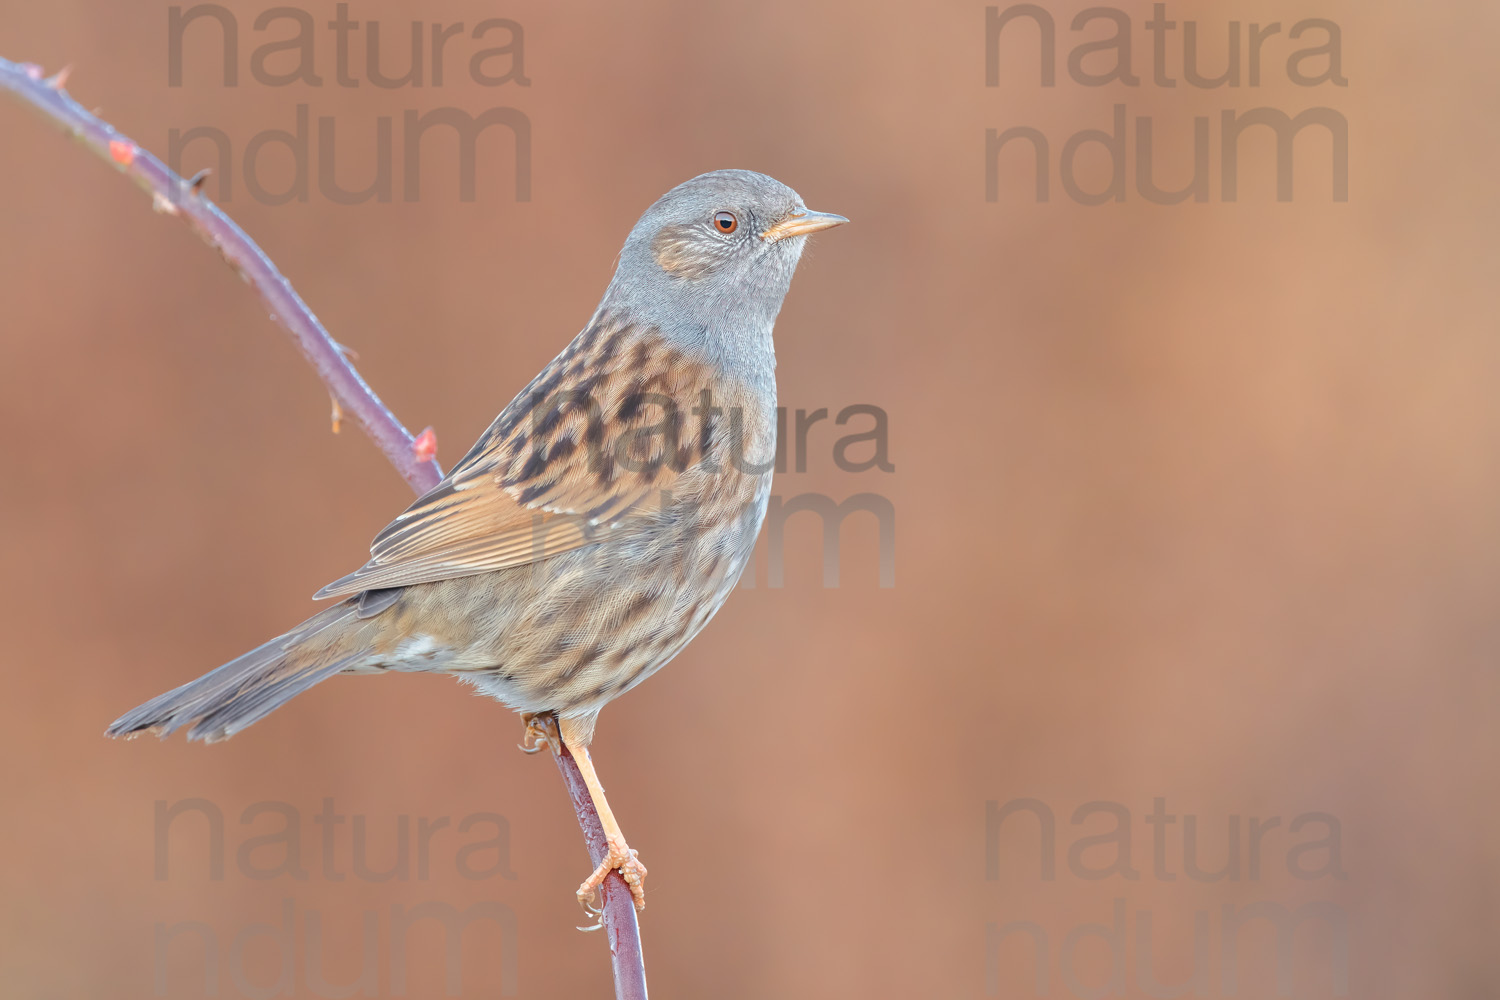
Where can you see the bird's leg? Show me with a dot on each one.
(576, 735)
(541, 730)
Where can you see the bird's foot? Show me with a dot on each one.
(623, 859)
(595, 912)
(541, 730)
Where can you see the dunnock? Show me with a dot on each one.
(598, 523)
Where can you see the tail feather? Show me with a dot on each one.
(248, 688)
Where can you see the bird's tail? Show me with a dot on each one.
(246, 689)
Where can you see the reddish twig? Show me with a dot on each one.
(413, 457)
(171, 195)
(619, 908)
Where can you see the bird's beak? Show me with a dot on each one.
(800, 223)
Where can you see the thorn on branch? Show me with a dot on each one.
(194, 184)
(60, 79)
(122, 151)
(424, 448)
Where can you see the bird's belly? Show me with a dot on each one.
(575, 631)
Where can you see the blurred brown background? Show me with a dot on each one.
(1194, 502)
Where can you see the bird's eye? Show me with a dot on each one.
(725, 222)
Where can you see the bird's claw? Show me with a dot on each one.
(595, 912)
(541, 730)
(622, 858)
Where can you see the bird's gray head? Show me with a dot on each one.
(711, 261)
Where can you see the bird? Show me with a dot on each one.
(597, 524)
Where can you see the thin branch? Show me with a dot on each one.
(413, 457)
(171, 195)
(619, 908)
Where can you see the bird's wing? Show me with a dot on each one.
(606, 430)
